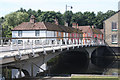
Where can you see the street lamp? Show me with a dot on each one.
(66, 24)
(68, 6)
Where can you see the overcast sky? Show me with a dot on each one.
(8, 6)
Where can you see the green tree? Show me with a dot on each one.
(50, 16)
(89, 18)
(12, 20)
(101, 17)
(78, 18)
(68, 17)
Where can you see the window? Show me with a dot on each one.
(101, 36)
(59, 33)
(97, 35)
(20, 33)
(89, 34)
(114, 26)
(114, 38)
(37, 33)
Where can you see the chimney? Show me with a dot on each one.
(66, 24)
(77, 26)
(32, 19)
(74, 25)
(92, 27)
(56, 21)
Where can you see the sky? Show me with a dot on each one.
(8, 6)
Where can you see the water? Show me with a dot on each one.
(77, 62)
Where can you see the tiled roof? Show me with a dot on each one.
(43, 26)
(102, 30)
(96, 31)
(84, 28)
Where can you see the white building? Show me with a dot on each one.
(36, 29)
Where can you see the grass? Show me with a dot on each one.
(94, 78)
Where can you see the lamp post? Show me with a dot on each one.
(66, 24)
(68, 6)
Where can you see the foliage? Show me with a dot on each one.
(11, 20)
(68, 17)
(50, 16)
(92, 77)
(87, 18)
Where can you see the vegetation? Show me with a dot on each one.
(87, 18)
(94, 78)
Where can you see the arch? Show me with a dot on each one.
(73, 61)
(102, 57)
(26, 73)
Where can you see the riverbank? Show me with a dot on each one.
(75, 77)
(94, 77)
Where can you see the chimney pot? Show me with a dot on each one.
(74, 25)
(32, 19)
(56, 21)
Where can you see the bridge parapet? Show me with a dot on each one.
(29, 45)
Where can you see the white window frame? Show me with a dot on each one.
(114, 25)
(37, 33)
(114, 38)
(20, 33)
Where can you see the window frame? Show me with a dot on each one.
(37, 33)
(20, 33)
(113, 38)
(114, 26)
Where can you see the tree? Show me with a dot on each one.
(78, 18)
(50, 16)
(89, 18)
(101, 17)
(12, 20)
(68, 17)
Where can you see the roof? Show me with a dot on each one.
(43, 26)
(84, 28)
(102, 30)
(112, 15)
(96, 31)
(37, 26)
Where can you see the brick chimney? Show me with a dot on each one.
(93, 27)
(66, 24)
(77, 26)
(74, 25)
(56, 21)
(32, 19)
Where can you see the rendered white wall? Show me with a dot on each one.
(14, 33)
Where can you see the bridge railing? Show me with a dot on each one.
(50, 41)
(33, 43)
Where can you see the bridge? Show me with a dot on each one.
(29, 56)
